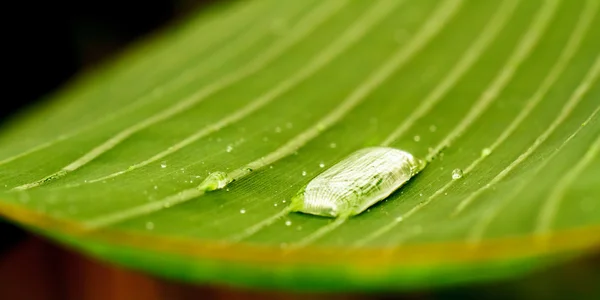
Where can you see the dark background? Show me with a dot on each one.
(45, 43)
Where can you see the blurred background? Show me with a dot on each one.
(49, 42)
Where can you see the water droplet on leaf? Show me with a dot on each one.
(149, 225)
(215, 181)
(354, 184)
(457, 174)
(486, 151)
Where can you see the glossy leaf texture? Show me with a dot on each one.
(271, 93)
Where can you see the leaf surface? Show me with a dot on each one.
(271, 93)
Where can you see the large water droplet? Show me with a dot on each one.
(357, 182)
(163, 164)
(457, 174)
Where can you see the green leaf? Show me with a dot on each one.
(266, 94)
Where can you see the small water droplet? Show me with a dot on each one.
(229, 148)
(457, 174)
(271, 167)
(420, 194)
(321, 165)
(303, 173)
(288, 223)
(278, 129)
(242, 211)
(149, 225)
(299, 228)
(485, 152)
(227, 190)
(163, 164)
(417, 138)
(215, 181)
(332, 145)
(432, 128)
(274, 204)
(283, 201)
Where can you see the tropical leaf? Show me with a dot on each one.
(269, 93)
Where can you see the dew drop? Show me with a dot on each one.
(156, 187)
(215, 181)
(303, 173)
(357, 182)
(229, 148)
(163, 164)
(149, 225)
(417, 138)
(457, 174)
(278, 129)
(332, 145)
(288, 223)
(274, 204)
(242, 211)
(485, 152)
(321, 165)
